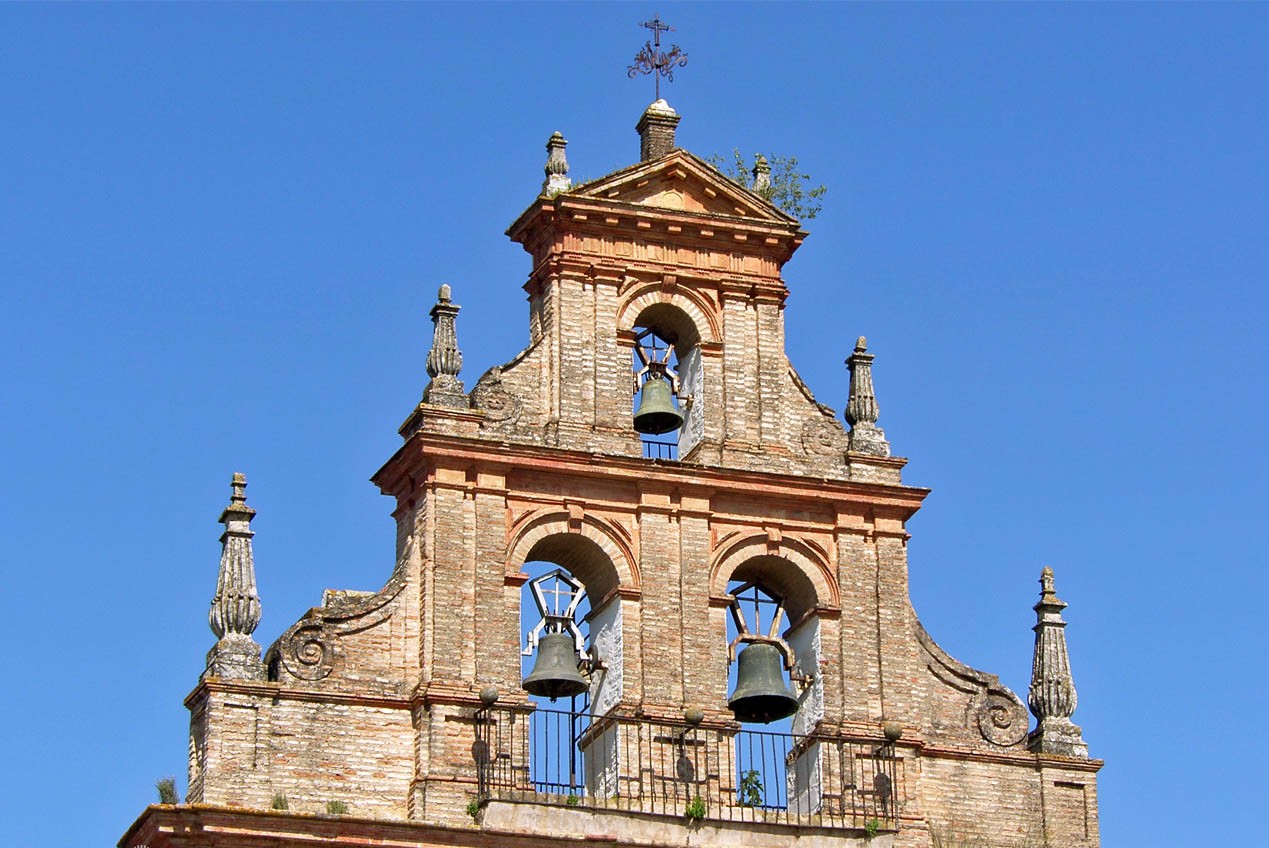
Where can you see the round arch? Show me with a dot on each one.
(589, 547)
(794, 570)
(682, 311)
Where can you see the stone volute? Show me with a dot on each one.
(235, 608)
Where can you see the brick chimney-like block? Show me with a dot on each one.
(656, 130)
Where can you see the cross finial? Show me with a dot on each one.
(651, 60)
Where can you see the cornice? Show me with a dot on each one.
(286, 692)
(603, 216)
(1023, 758)
(424, 447)
(160, 826)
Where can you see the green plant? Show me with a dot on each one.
(473, 808)
(167, 790)
(279, 802)
(572, 800)
(790, 189)
(336, 808)
(751, 789)
(695, 809)
(872, 827)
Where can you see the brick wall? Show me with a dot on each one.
(371, 698)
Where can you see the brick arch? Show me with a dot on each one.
(807, 586)
(692, 304)
(592, 549)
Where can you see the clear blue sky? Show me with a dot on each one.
(222, 226)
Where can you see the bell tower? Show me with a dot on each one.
(647, 587)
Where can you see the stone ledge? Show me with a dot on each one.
(628, 827)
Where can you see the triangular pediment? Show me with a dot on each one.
(682, 182)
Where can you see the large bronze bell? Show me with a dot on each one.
(761, 694)
(656, 413)
(555, 673)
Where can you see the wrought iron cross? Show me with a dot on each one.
(650, 60)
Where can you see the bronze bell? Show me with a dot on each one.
(761, 694)
(555, 673)
(656, 413)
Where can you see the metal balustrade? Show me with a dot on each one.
(653, 449)
(675, 769)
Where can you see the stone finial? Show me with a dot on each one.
(445, 360)
(861, 407)
(1052, 695)
(761, 175)
(656, 130)
(235, 608)
(556, 166)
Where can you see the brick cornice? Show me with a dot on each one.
(285, 692)
(1022, 758)
(424, 448)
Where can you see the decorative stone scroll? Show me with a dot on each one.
(1000, 718)
(492, 397)
(992, 711)
(822, 437)
(310, 649)
(308, 652)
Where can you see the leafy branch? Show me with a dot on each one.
(789, 188)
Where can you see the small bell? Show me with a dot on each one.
(555, 673)
(761, 694)
(657, 413)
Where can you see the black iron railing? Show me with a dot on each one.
(673, 769)
(660, 450)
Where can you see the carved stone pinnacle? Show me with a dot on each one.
(1052, 696)
(761, 175)
(556, 166)
(235, 608)
(445, 360)
(861, 406)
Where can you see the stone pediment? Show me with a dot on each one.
(682, 182)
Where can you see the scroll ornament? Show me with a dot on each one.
(310, 651)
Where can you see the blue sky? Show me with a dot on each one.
(222, 226)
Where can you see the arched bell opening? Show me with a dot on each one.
(764, 677)
(667, 376)
(571, 661)
(773, 646)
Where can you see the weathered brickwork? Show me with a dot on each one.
(371, 699)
